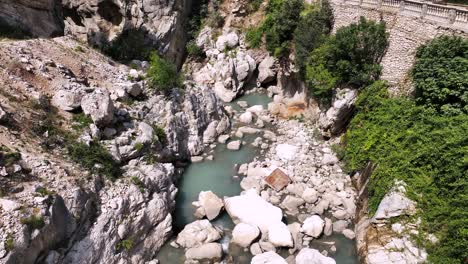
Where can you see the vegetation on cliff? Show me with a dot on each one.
(162, 74)
(411, 140)
(350, 57)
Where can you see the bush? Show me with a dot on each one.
(427, 151)
(125, 244)
(214, 20)
(315, 24)
(81, 121)
(160, 134)
(162, 74)
(357, 51)
(9, 243)
(7, 157)
(254, 37)
(95, 158)
(440, 75)
(193, 50)
(351, 57)
(253, 5)
(33, 222)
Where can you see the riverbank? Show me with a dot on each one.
(318, 185)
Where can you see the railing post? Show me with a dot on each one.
(379, 4)
(424, 10)
(402, 6)
(360, 2)
(452, 16)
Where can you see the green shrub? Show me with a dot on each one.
(440, 75)
(162, 74)
(357, 51)
(126, 244)
(8, 157)
(9, 243)
(253, 5)
(81, 121)
(33, 222)
(44, 192)
(351, 57)
(137, 182)
(94, 157)
(193, 50)
(160, 133)
(138, 146)
(254, 37)
(427, 151)
(314, 25)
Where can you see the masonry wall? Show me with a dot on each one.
(407, 33)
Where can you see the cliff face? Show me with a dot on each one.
(54, 211)
(99, 22)
(41, 18)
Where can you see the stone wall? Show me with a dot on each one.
(407, 32)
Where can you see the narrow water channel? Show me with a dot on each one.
(217, 176)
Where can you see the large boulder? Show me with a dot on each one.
(99, 106)
(244, 234)
(313, 226)
(206, 251)
(312, 256)
(198, 233)
(394, 204)
(279, 235)
(67, 100)
(266, 71)
(335, 120)
(286, 151)
(227, 41)
(268, 258)
(210, 203)
(252, 209)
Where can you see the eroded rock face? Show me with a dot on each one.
(99, 106)
(130, 217)
(101, 22)
(335, 120)
(40, 18)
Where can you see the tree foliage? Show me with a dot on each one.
(440, 75)
(427, 151)
(162, 74)
(315, 24)
(351, 57)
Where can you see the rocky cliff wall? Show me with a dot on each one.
(407, 33)
(41, 18)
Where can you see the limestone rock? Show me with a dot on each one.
(394, 204)
(205, 251)
(312, 256)
(99, 106)
(250, 208)
(313, 226)
(246, 117)
(244, 234)
(279, 235)
(268, 258)
(234, 145)
(211, 204)
(198, 233)
(348, 233)
(266, 72)
(286, 151)
(334, 121)
(67, 100)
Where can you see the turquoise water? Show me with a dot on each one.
(252, 99)
(217, 176)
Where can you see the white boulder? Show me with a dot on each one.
(250, 208)
(313, 226)
(244, 234)
(268, 258)
(198, 233)
(234, 145)
(312, 256)
(279, 235)
(246, 117)
(210, 203)
(286, 151)
(206, 251)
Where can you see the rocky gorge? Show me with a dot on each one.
(97, 166)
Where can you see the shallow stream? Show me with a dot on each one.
(218, 176)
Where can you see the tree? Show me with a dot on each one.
(440, 75)
(162, 74)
